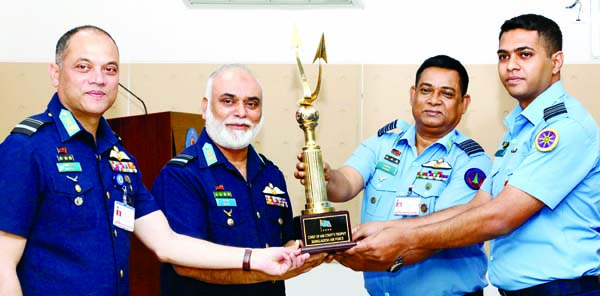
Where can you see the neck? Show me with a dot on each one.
(237, 157)
(425, 139)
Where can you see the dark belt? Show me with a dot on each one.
(476, 293)
(556, 288)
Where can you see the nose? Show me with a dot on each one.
(240, 109)
(512, 64)
(97, 77)
(434, 99)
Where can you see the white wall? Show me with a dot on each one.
(377, 32)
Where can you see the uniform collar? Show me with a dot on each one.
(534, 113)
(446, 141)
(68, 126)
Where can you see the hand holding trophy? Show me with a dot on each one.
(321, 227)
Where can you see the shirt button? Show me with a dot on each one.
(266, 245)
(121, 273)
(229, 221)
(98, 157)
(115, 232)
(107, 195)
(258, 215)
(373, 199)
(78, 201)
(280, 221)
(77, 188)
(427, 186)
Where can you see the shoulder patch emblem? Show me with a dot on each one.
(546, 140)
(470, 147)
(29, 126)
(474, 177)
(554, 111)
(180, 160)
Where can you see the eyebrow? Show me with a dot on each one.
(234, 96)
(522, 48)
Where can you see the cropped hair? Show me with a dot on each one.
(446, 62)
(547, 29)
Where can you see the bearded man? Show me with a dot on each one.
(222, 190)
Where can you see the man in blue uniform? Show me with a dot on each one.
(222, 190)
(72, 195)
(421, 169)
(541, 206)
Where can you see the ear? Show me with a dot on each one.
(466, 101)
(413, 90)
(557, 61)
(204, 105)
(54, 71)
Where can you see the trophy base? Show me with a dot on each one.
(325, 232)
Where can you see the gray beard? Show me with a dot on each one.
(231, 139)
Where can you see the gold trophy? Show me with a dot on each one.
(321, 227)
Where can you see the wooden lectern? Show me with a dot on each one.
(153, 139)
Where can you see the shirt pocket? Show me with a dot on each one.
(75, 203)
(429, 191)
(379, 197)
(229, 226)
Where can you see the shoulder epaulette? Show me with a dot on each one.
(470, 147)
(554, 110)
(402, 125)
(29, 126)
(265, 159)
(181, 160)
(118, 138)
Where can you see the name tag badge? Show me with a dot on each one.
(405, 205)
(124, 216)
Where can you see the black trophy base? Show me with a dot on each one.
(327, 232)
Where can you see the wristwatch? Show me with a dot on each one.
(397, 265)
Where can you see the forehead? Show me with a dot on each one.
(237, 82)
(91, 45)
(440, 77)
(519, 38)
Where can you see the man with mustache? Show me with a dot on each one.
(541, 209)
(222, 190)
(420, 169)
(72, 195)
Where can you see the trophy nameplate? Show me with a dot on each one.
(321, 227)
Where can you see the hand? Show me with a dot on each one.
(300, 174)
(378, 246)
(277, 261)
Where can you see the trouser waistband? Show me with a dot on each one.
(558, 287)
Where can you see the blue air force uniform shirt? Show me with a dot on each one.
(551, 150)
(203, 195)
(400, 184)
(58, 190)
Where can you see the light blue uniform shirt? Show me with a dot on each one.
(450, 272)
(562, 240)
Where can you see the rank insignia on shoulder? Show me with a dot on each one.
(546, 140)
(474, 177)
(470, 147)
(180, 160)
(402, 125)
(28, 126)
(274, 190)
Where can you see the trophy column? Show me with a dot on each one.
(322, 228)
